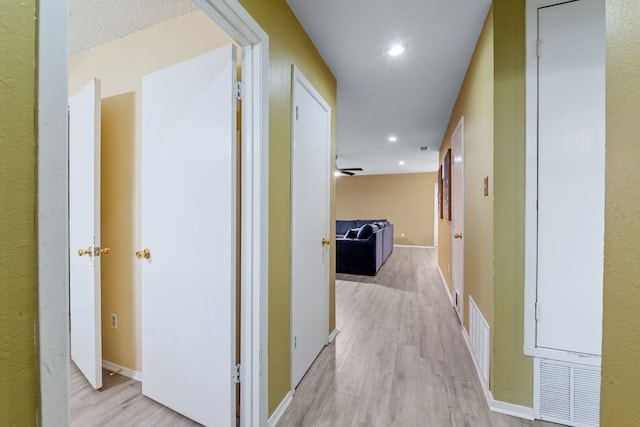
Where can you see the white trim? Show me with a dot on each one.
(297, 76)
(498, 406)
(52, 201)
(563, 356)
(333, 335)
(280, 410)
(53, 214)
(413, 246)
(121, 370)
(446, 286)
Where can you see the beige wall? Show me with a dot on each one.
(406, 200)
(621, 326)
(120, 66)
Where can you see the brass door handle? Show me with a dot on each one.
(145, 253)
(457, 236)
(326, 242)
(105, 251)
(87, 251)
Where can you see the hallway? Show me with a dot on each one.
(399, 358)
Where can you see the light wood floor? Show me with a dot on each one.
(119, 403)
(399, 358)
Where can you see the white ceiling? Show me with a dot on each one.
(96, 22)
(410, 96)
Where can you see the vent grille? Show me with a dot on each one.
(568, 393)
(425, 148)
(480, 337)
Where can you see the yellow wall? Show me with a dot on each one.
(120, 66)
(18, 248)
(288, 44)
(512, 372)
(621, 327)
(406, 200)
(475, 104)
(119, 283)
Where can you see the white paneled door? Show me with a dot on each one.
(457, 215)
(84, 232)
(310, 239)
(188, 237)
(571, 162)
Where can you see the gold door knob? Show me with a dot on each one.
(87, 251)
(105, 251)
(457, 236)
(326, 242)
(145, 253)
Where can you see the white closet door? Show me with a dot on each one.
(84, 232)
(571, 161)
(188, 222)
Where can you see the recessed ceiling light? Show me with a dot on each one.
(396, 49)
(401, 162)
(392, 138)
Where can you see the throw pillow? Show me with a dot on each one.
(365, 232)
(351, 234)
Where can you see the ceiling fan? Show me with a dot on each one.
(347, 171)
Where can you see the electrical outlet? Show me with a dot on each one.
(114, 320)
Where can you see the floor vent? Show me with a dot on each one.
(480, 338)
(567, 393)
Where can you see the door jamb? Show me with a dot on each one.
(53, 215)
(297, 76)
(459, 129)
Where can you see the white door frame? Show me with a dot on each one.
(531, 197)
(53, 214)
(455, 226)
(299, 77)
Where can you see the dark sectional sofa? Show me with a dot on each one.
(362, 246)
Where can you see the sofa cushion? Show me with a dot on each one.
(342, 226)
(365, 232)
(352, 234)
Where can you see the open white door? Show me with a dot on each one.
(188, 222)
(84, 232)
(309, 226)
(457, 214)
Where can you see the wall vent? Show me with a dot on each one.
(480, 338)
(567, 393)
(425, 148)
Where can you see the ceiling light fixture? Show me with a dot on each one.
(396, 49)
(401, 162)
(392, 138)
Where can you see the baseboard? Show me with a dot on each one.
(446, 287)
(282, 407)
(518, 411)
(413, 246)
(333, 335)
(121, 370)
(498, 406)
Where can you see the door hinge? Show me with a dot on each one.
(537, 309)
(297, 112)
(235, 374)
(538, 47)
(295, 341)
(238, 89)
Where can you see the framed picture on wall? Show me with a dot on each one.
(446, 185)
(440, 204)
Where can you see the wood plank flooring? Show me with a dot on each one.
(119, 403)
(399, 358)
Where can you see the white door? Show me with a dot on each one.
(310, 226)
(571, 162)
(188, 228)
(84, 232)
(436, 214)
(457, 214)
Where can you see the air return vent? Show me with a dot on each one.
(567, 393)
(425, 148)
